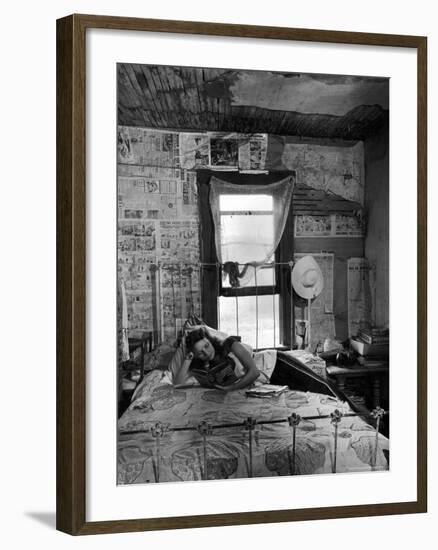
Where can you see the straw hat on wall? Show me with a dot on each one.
(307, 278)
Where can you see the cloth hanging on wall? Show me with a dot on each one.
(125, 341)
(249, 221)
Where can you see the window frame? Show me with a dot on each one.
(211, 277)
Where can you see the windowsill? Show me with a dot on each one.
(279, 348)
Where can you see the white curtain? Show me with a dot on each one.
(249, 221)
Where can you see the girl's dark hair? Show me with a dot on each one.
(194, 336)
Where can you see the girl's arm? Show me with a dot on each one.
(251, 371)
(182, 375)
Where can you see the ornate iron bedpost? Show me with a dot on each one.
(205, 428)
(336, 417)
(377, 414)
(158, 430)
(249, 425)
(294, 419)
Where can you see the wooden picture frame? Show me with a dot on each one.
(71, 273)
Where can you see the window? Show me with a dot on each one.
(246, 218)
(251, 309)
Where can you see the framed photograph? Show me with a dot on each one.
(241, 274)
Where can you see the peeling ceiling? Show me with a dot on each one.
(305, 105)
(305, 93)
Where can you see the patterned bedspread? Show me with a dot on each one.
(181, 453)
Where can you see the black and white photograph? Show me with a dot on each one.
(253, 273)
(220, 281)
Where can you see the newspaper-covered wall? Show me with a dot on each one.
(333, 225)
(334, 169)
(158, 223)
(158, 232)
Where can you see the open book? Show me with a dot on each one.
(266, 390)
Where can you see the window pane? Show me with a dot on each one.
(265, 275)
(245, 202)
(245, 238)
(239, 318)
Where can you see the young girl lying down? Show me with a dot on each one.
(214, 360)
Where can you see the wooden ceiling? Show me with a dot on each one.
(186, 98)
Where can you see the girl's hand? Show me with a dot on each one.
(223, 388)
(214, 335)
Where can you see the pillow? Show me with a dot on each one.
(150, 381)
(176, 364)
(265, 362)
(159, 357)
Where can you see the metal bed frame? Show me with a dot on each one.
(296, 375)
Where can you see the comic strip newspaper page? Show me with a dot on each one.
(359, 297)
(334, 225)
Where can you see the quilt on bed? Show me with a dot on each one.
(181, 453)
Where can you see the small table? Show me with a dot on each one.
(340, 374)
